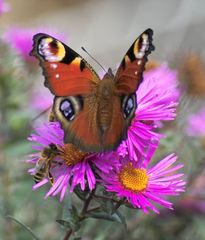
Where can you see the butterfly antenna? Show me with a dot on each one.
(40, 114)
(93, 59)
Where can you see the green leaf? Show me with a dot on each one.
(72, 219)
(69, 224)
(28, 229)
(65, 223)
(122, 219)
(99, 214)
(106, 204)
(73, 213)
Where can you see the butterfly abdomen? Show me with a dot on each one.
(104, 119)
(105, 107)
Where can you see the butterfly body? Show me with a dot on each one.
(94, 113)
(106, 95)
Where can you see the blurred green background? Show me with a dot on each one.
(106, 29)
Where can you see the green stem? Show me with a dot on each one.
(86, 204)
(92, 209)
(28, 229)
(106, 198)
(82, 214)
(68, 234)
(118, 204)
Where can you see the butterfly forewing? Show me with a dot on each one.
(130, 72)
(66, 72)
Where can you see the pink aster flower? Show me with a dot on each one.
(157, 98)
(21, 39)
(196, 126)
(4, 7)
(143, 187)
(166, 80)
(67, 173)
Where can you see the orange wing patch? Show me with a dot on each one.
(66, 72)
(67, 80)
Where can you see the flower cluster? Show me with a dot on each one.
(4, 7)
(125, 172)
(195, 126)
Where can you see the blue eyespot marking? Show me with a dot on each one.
(66, 107)
(128, 106)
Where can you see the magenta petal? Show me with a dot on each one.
(44, 181)
(55, 186)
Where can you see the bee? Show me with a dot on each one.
(43, 165)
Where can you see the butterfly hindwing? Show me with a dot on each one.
(129, 74)
(85, 130)
(66, 72)
(78, 120)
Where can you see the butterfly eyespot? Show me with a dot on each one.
(128, 106)
(66, 107)
(51, 50)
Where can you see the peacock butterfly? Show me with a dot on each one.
(95, 114)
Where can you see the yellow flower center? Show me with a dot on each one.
(134, 179)
(71, 154)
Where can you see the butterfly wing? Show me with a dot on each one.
(66, 72)
(72, 80)
(127, 79)
(130, 72)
